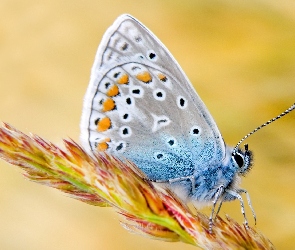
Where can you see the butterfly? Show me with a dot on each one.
(140, 106)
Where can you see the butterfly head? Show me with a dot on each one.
(242, 159)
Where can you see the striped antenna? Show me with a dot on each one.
(265, 124)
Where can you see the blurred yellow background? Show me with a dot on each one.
(240, 56)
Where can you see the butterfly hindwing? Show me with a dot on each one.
(140, 105)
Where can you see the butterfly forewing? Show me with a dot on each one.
(141, 106)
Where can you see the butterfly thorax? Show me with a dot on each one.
(202, 187)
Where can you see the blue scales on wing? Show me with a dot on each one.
(140, 105)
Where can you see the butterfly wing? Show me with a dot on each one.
(141, 106)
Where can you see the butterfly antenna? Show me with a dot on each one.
(265, 124)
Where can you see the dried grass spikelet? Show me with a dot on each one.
(104, 180)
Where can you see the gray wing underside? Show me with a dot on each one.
(162, 118)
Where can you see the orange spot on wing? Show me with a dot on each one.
(162, 77)
(104, 124)
(113, 91)
(144, 77)
(103, 146)
(108, 105)
(124, 79)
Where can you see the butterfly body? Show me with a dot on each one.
(140, 106)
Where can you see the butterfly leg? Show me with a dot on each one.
(219, 207)
(249, 202)
(239, 197)
(217, 195)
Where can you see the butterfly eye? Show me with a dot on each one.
(239, 159)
